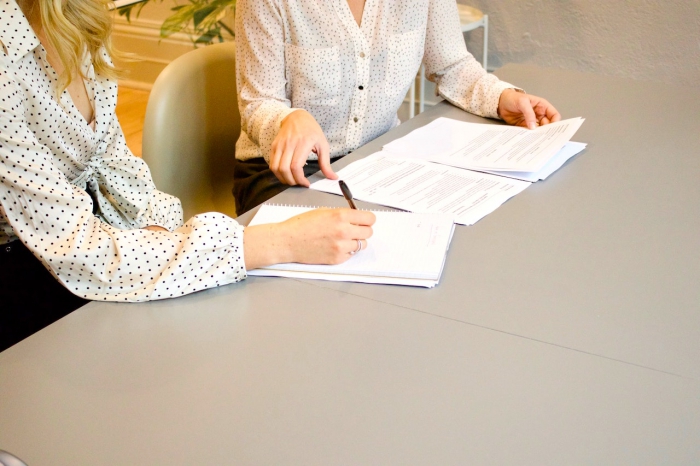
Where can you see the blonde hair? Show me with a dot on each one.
(75, 27)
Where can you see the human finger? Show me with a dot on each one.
(284, 172)
(528, 113)
(546, 113)
(357, 232)
(275, 156)
(356, 245)
(301, 155)
(359, 217)
(552, 114)
(323, 151)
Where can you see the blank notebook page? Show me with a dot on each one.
(403, 245)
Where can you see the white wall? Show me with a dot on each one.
(638, 39)
(648, 40)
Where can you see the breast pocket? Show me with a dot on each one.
(405, 54)
(313, 75)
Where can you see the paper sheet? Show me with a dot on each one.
(484, 146)
(335, 277)
(419, 186)
(555, 163)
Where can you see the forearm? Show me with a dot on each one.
(97, 261)
(460, 79)
(470, 90)
(263, 121)
(106, 263)
(265, 245)
(261, 75)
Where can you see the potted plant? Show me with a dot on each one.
(202, 19)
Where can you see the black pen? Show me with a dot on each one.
(347, 194)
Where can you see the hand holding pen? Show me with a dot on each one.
(347, 194)
(348, 197)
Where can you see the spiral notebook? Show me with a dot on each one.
(405, 249)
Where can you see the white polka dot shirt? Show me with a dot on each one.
(50, 156)
(312, 54)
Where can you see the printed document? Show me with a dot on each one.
(478, 146)
(555, 163)
(419, 186)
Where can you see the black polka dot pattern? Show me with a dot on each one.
(50, 156)
(312, 54)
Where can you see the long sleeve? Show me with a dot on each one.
(260, 63)
(93, 259)
(460, 79)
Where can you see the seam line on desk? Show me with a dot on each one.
(506, 333)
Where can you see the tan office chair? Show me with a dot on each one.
(191, 127)
(7, 459)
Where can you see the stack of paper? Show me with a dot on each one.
(405, 249)
(555, 163)
(419, 186)
(500, 149)
(465, 170)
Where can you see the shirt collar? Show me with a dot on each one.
(16, 34)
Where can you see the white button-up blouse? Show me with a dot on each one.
(312, 54)
(50, 158)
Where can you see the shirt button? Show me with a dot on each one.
(361, 87)
(355, 119)
(362, 54)
(8, 249)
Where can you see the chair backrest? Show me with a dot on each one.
(191, 127)
(7, 459)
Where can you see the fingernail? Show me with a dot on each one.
(531, 125)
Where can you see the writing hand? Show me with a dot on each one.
(321, 236)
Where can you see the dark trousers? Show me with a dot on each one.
(254, 182)
(30, 297)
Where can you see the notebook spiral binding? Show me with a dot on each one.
(396, 211)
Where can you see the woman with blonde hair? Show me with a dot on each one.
(80, 218)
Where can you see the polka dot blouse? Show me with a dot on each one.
(312, 54)
(50, 158)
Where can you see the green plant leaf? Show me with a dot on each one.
(225, 28)
(208, 37)
(177, 21)
(204, 16)
(201, 15)
(126, 10)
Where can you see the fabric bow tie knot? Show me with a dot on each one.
(121, 183)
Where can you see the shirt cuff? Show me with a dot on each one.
(269, 118)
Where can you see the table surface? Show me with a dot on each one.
(565, 330)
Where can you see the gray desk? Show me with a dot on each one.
(566, 330)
